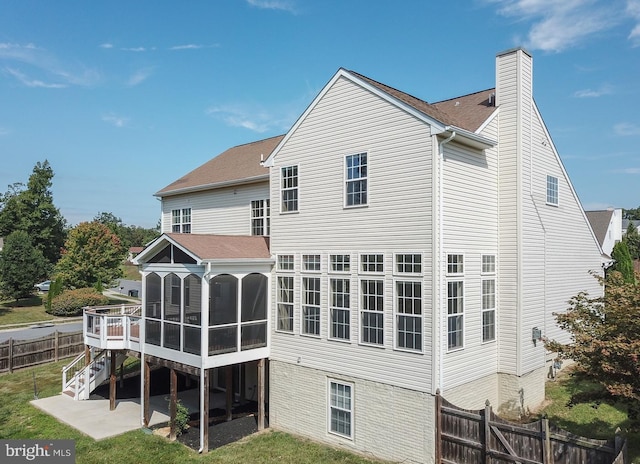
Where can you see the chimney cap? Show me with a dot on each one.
(514, 50)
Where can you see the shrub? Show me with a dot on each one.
(71, 302)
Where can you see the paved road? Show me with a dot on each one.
(36, 331)
(40, 330)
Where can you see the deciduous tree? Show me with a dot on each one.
(605, 336)
(91, 256)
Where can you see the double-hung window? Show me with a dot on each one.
(285, 303)
(260, 217)
(340, 263)
(289, 189)
(455, 301)
(181, 220)
(552, 190)
(356, 180)
(488, 298)
(409, 315)
(339, 309)
(341, 408)
(311, 306)
(372, 311)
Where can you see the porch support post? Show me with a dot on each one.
(243, 383)
(87, 355)
(261, 393)
(204, 413)
(147, 389)
(229, 386)
(173, 403)
(112, 380)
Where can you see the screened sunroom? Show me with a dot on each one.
(206, 296)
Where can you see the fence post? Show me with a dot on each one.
(547, 454)
(487, 433)
(55, 345)
(619, 443)
(10, 354)
(438, 427)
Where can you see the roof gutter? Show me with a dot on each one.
(468, 138)
(215, 185)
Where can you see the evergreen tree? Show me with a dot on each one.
(632, 239)
(623, 263)
(31, 210)
(21, 266)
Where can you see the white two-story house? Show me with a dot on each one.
(381, 250)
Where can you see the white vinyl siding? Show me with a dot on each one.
(224, 211)
(349, 119)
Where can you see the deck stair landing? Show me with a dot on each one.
(80, 379)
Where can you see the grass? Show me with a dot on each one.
(131, 272)
(584, 408)
(20, 420)
(25, 311)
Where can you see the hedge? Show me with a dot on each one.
(71, 302)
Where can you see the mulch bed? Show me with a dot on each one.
(221, 432)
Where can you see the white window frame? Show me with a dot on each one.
(377, 263)
(451, 269)
(311, 263)
(334, 308)
(340, 263)
(286, 259)
(289, 182)
(403, 315)
(488, 305)
(288, 303)
(553, 190)
(181, 221)
(354, 175)
(261, 216)
(404, 266)
(311, 308)
(339, 407)
(365, 309)
(488, 263)
(457, 315)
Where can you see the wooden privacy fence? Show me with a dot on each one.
(481, 437)
(16, 354)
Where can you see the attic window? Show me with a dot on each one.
(552, 190)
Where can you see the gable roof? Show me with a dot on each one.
(237, 165)
(211, 247)
(599, 221)
(469, 111)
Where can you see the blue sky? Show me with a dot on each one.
(125, 97)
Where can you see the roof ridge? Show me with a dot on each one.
(463, 96)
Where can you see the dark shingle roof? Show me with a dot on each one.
(599, 221)
(210, 246)
(235, 164)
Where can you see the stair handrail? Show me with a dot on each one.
(68, 367)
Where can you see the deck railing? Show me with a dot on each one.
(113, 327)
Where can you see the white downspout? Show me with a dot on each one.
(441, 262)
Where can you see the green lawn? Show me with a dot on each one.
(585, 409)
(19, 419)
(25, 311)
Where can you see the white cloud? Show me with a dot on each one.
(193, 46)
(118, 121)
(626, 129)
(284, 5)
(139, 77)
(44, 63)
(253, 117)
(29, 82)
(557, 25)
(630, 171)
(594, 93)
(134, 49)
(106, 45)
(633, 9)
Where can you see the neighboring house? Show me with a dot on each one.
(386, 248)
(607, 226)
(133, 252)
(626, 222)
